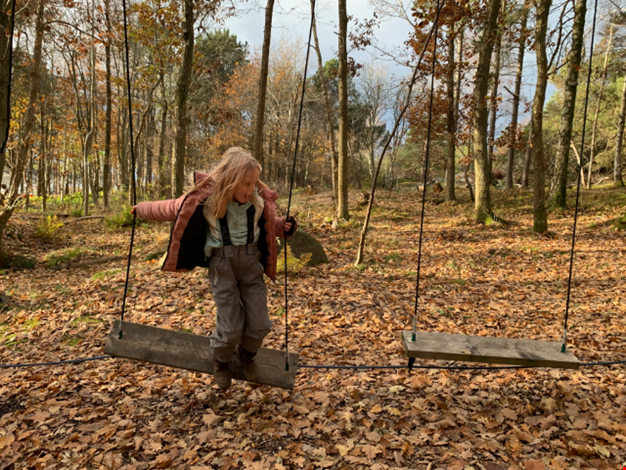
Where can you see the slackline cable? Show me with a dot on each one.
(582, 147)
(132, 159)
(332, 367)
(293, 172)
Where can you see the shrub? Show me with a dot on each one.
(48, 228)
(22, 262)
(122, 218)
(66, 255)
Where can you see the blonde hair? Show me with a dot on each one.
(224, 178)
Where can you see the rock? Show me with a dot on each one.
(302, 243)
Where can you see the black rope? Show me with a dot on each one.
(335, 367)
(582, 147)
(132, 159)
(293, 172)
(55, 363)
(426, 160)
(6, 137)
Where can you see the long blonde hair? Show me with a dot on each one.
(224, 178)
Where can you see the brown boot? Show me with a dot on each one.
(222, 375)
(247, 364)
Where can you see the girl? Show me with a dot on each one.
(227, 223)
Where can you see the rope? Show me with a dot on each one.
(334, 367)
(132, 159)
(426, 160)
(293, 172)
(582, 146)
(6, 137)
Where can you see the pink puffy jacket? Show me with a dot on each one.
(186, 247)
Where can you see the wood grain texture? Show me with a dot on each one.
(522, 352)
(193, 352)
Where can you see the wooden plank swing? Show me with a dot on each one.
(193, 352)
(490, 350)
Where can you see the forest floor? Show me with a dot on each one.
(490, 280)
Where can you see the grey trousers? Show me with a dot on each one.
(240, 294)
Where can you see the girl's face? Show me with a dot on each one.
(245, 189)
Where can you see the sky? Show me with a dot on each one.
(292, 18)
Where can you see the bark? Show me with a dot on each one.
(481, 113)
(451, 120)
(558, 190)
(493, 101)
(330, 122)
(516, 96)
(528, 156)
(618, 181)
(6, 56)
(42, 171)
(598, 106)
(106, 180)
(161, 156)
(342, 179)
(182, 92)
(539, 175)
(26, 136)
(257, 147)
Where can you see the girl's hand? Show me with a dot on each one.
(287, 227)
(133, 210)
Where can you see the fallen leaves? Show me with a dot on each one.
(109, 413)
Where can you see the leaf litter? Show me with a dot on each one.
(482, 280)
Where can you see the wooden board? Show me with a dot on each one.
(193, 352)
(522, 352)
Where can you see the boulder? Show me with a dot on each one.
(302, 243)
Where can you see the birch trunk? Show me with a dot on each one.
(516, 96)
(618, 181)
(539, 175)
(451, 121)
(598, 106)
(182, 92)
(257, 147)
(481, 113)
(342, 179)
(558, 188)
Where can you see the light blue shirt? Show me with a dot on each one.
(237, 218)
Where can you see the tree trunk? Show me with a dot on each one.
(26, 135)
(539, 175)
(451, 121)
(257, 147)
(481, 112)
(342, 179)
(182, 92)
(528, 156)
(599, 105)
(106, 176)
(42, 171)
(161, 156)
(493, 101)
(6, 56)
(516, 97)
(558, 190)
(618, 181)
(330, 122)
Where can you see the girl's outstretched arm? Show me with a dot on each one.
(159, 211)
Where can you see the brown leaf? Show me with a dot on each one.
(534, 465)
(370, 451)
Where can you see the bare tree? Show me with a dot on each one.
(342, 180)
